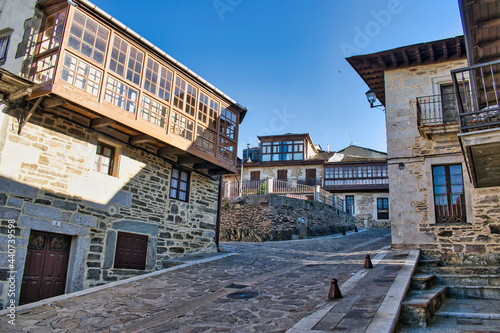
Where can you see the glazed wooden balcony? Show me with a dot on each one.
(116, 82)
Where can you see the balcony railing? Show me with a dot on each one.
(437, 110)
(292, 190)
(310, 181)
(450, 208)
(478, 95)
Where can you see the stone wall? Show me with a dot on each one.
(411, 187)
(365, 209)
(48, 183)
(273, 217)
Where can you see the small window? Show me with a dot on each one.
(349, 200)
(382, 208)
(179, 185)
(104, 159)
(4, 44)
(254, 175)
(131, 250)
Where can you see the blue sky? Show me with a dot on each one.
(285, 59)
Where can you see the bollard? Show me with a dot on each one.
(334, 290)
(368, 262)
(355, 229)
(343, 232)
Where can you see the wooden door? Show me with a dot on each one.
(45, 267)
(282, 175)
(254, 175)
(311, 177)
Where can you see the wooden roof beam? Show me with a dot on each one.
(405, 57)
(381, 62)
(490, 43)
(203, 165)
(53, 101)
(431, 53)
(167, 151)
(188, 159)
(19, 94)
(419, 57)
(136, 139)
(101, 122)
(445, 51)
(459, 47)
(393, 59)
(488, 23)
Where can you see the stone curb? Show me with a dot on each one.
(306, 324)
(114, 284)
(387, 315)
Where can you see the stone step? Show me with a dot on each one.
(423, 281)
(481, 292)
(469, 279)
(429, 263)
(420, 306)
(458, 270)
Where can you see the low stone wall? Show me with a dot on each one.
(274, 217)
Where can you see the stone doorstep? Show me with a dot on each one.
(423, 281)
(113, 284)
(423, 277)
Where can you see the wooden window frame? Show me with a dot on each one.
(446, 212)
(227, 125)
(126, 60)
(381, 214)
(137, 239)
(99, 154)
(226, 148)
(74, 74)
(113, 96)
(155, 112)
(176, 182)
(254, 175)
(282, 172)
(204, 140)
(182, 126)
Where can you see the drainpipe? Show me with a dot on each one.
(219, 205)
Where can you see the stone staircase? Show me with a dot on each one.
(433, 283)
(423, 301)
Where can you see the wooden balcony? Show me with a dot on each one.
(478, 99)
(90, 67)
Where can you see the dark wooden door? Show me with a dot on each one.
(311, 177)
(131, 250)
(45, 267)
(282, 175)
(254, 175)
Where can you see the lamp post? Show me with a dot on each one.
(370, 96)
(243, 160)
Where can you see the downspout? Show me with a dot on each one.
(219, 206)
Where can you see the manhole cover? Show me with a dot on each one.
(243, 295)
(236, 286)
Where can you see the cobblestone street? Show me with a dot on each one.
(291, 278)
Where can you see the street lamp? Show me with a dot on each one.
(243, 160)
(370, 96)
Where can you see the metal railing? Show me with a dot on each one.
(450, 208)
(293, 190)
(477, 89)
(310, 181)
(437, 110)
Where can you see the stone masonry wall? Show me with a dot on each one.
(273, 217)
(365, 209)
(47, 178)
(411, 188)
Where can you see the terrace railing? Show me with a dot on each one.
(478, 95)
(293, 190)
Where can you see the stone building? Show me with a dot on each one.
(355, 174)
(443, 146)
(111, 151)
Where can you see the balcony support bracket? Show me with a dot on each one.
(25, 116)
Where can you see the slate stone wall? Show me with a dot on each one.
(477, 240)
(47, 183)
(273, 217)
